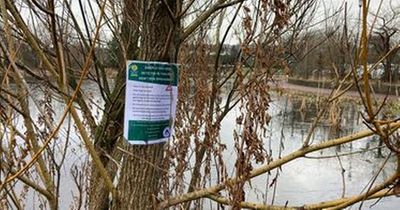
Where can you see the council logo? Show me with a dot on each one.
(134, 67)
(133, 70)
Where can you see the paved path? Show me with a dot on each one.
(287, 86)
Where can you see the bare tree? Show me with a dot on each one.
(384, 39)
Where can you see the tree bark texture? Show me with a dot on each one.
(138, 185)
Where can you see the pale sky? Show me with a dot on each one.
(325, 9)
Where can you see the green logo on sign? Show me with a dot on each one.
(133, 70)
(134, 67)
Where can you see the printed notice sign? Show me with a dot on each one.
(150, 101)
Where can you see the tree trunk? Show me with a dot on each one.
(141, 169)
(138, 185)
(152, 23)
(388, 62)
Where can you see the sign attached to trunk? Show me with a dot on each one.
(150, 101)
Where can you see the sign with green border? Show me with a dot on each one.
(150, 101)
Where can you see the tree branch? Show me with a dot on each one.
(205, 15)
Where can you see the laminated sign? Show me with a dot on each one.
(150, 101)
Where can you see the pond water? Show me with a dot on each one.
(312, 180)
(302, 181)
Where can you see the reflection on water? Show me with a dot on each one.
(305, 180)
(311, 180)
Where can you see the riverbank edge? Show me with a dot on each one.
(378, 87)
